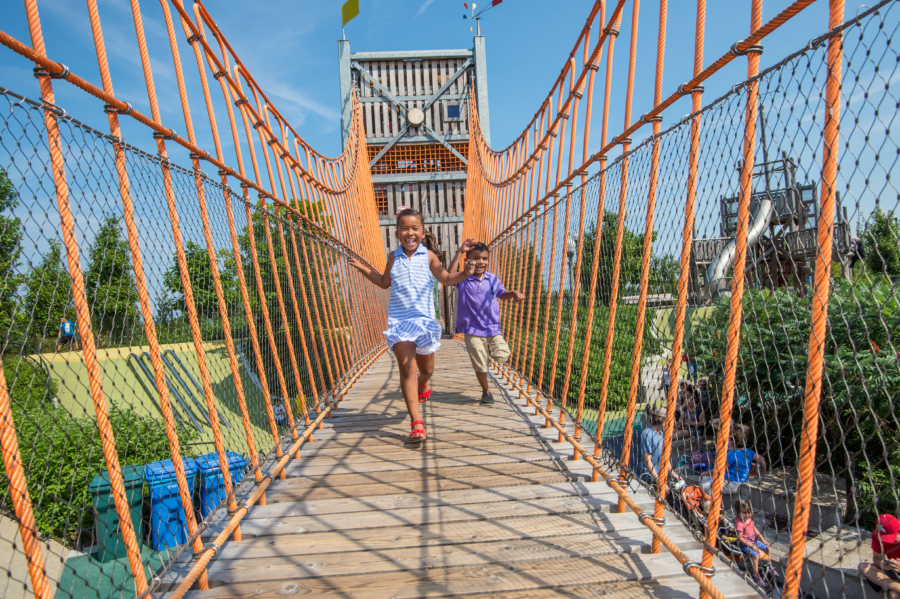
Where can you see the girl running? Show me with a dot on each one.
(413, 333)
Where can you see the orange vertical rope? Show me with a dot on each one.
(300, 333)
(134, 248)
(176, 228)
(83, 310)
(613, 32)
(562, 411)
(737, 293)
(576, 280)
(645, 278)
(806, 464)
(18, 493)
(617, 260)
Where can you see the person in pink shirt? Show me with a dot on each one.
(747, 535)
(478, 312)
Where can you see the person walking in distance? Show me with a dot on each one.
(478, 313)
(66, 335)
(413, 333)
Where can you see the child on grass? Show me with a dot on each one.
(413, 334)
(478, 312)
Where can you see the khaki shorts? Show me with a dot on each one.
(483, 349)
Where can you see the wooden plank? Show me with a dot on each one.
(428, 535)
(383, 448)
(331, 438)
(431, 498)
(417, 516)
(280, 567)
(466, 580)
(277, 493)
(519, 469)
(323, 465)
(729, 583)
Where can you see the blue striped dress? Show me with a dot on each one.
(411, 311)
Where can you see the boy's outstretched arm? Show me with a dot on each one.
(445, 277)
(467, 245)
(512, 295)
(381, 280)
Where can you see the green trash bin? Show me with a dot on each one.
(110, 544)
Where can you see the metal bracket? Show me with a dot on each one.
(42, 72)
(213, 546)
(643, 516)
(684, 92)
(653, 119)
(593, 67)
(158, 135)
(577, 94)
(109, 108)
(610, 31)
(195, 38)
(709, 572)
(220, 74)
(624, 140)
(562, 115)
(754, 49)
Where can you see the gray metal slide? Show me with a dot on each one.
(716, 274)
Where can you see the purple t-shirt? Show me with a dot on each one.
(477, 308)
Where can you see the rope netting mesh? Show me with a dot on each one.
(54, 415)
(169, 340)
(599, 341)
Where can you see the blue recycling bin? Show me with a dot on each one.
(212, 483)
(168, 525)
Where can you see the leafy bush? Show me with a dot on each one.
(858, 418)
(62, 453)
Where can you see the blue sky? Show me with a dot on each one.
(291, 48)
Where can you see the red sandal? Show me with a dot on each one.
(424, 395)
(417, 436)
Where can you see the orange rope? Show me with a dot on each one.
(185, 492)
(83, 311)
(806, 465)
(737, 294)
(21, 500)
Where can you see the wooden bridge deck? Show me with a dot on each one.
(486, 507)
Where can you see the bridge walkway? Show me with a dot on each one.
(486, 507)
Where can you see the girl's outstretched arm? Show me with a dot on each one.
(445, 277)
(381, 280)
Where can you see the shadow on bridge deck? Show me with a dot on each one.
(486, 507)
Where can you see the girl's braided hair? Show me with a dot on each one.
(430, 240)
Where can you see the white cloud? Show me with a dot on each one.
(424, 7)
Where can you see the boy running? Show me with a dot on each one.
(478, 313)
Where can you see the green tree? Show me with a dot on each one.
(62, 453)
(202, 285)
(857, 440)
(48, 290)
(109, 283)
(10, 251)
(882, 243)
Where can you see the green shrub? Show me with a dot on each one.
(62, 453)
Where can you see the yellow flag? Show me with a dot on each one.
(349, 11)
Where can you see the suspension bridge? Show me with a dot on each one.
(231, 424)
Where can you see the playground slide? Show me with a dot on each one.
(138, 359)
(716, 274)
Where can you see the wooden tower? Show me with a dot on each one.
(415, 110)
